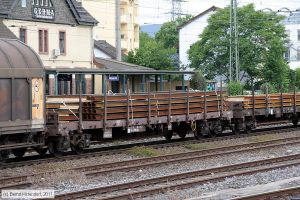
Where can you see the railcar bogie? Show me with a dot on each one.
(58, 144)
(211, 127)
(79, 141)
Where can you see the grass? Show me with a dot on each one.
(200, 146)
(57, 179)
(48, 167)
(143, 151)
(262, 138)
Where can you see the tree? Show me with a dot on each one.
(151, 54)
(168, 34)
(297, 71)
(268, 88)
(198, 81)
(262, 42)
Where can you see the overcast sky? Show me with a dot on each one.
(157, 11)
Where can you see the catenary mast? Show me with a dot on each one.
(234, 70)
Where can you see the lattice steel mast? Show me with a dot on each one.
(176, 9)
(234, 70)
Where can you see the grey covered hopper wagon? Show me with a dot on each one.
(22, 114)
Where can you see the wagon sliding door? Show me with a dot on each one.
(22, 101)
(15, 99)
(5, 99)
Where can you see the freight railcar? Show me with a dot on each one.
(252, 110)
(76, 120)
(22, 114)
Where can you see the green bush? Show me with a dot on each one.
(235, 88)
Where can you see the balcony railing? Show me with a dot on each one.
(124, 2)
(124, 43)
(124, 19)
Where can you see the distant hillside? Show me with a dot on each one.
(151, 29)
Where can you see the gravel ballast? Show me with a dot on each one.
(62, 165)
(72, 183)
(238, 186)
(67, 181)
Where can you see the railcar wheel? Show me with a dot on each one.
(4, 154)
(235, 129)
(212, 134)
(248, 129)
(295, 122)
(19, 153)
(201, 133)
(181, 129)
(78, 149)
(54, 149)
(197, 135)
(168, 134)
(41, 151)
(182, 134)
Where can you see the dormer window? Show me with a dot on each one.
(24, 2)
(42, 3)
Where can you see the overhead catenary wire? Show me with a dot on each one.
(221, 21)
(161, 8)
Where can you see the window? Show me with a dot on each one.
(287, 54)
(288, 33)
(47, 84)
(23, 35)
(298, 54)
(41, 3)
(62, 42)
(43, 41)
(298, 35)
(78, 78)
(122, 36)
(24, 3)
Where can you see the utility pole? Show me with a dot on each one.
(118, 31)
(176, 9)
(234, 70)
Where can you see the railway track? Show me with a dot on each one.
(153, 186)
(112, 150)
(135, 164)
(286, 192)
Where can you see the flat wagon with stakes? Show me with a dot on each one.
(82, 118)
(250, 111)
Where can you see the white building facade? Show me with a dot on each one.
(189, 34)
(292, 26)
